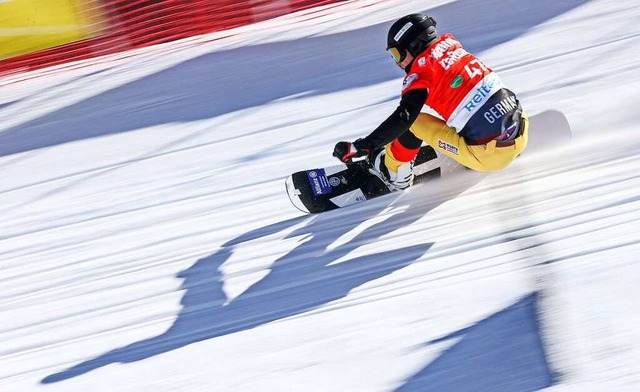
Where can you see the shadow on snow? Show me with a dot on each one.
(297, 282)
(502, 353)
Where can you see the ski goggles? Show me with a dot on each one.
(397, 56)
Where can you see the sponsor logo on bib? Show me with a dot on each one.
(457, 82)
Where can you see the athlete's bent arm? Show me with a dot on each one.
(397, 124)
(399, 121)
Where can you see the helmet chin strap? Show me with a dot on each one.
(407, 68)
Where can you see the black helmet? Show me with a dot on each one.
(413, 32)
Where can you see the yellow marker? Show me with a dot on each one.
(30, 25)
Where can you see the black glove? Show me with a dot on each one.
(347, 151)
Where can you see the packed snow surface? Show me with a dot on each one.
(147, 243)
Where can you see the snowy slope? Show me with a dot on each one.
(147, 244)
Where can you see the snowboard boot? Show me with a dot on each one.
(400, 179)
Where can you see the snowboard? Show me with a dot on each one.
(328, 188)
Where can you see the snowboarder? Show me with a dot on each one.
(484, 126)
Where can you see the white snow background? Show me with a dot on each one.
(147, 244)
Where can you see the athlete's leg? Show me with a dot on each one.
(402, 150)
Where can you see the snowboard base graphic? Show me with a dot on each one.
(328, 188)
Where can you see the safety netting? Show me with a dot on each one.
(37, 37)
